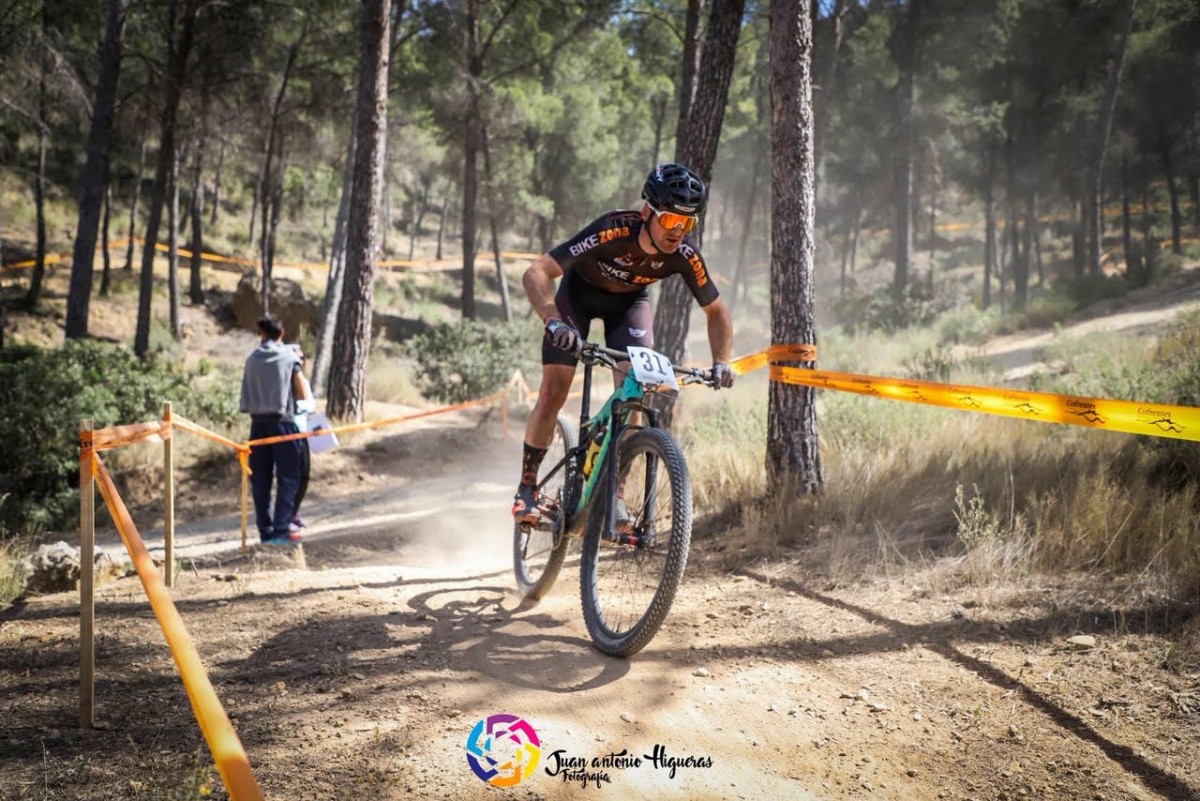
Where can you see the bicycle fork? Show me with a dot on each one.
(641, 535)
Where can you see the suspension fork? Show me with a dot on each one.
(611, 467)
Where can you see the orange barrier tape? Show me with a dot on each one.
(188, 425)
(1133, 417)
(427, 265)
(760, 359)
(104, 439)
(223, 741)
(387, 421)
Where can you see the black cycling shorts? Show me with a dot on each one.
(628, 318)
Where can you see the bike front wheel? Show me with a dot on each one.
(539, 549)
(631, 571)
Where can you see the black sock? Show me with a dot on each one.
(531, 460)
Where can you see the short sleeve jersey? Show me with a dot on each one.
(607, 255)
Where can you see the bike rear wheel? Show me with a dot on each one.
(539, 550)
(628, 582)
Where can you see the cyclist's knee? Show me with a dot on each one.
(556, 385)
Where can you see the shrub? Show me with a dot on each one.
(1177, 363)
(45, 393)
(1091, 288)
(470, 359)
(878, 311)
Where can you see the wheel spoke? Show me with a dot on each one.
(631, 579)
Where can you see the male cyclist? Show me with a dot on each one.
(606, 270)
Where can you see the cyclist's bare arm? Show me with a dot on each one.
(538, 281)
(720, 330)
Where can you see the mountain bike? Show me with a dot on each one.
(638, 523)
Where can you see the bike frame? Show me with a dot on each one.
(613, 415)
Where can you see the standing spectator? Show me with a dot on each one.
(272, 383)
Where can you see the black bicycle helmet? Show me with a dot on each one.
(674, 187)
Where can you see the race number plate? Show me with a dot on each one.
(651, 367)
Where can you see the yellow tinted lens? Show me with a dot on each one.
(669, 220)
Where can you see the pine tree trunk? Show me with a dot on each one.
(38, 275)
(196, 213)
(827, 80)
(106, 275)
(352, 340)
(989, 230)
(173, 253)
(1193, 136)
(216, 198)
(689, 71)
(275, 205)
(1035, 228)
(471, 147)
(1012, 233)
(1096, 166)
(1021, 278)
(442, 222)
(906, 61)
(1168, 166)
(1132, 270)
(335, 282)
(95, 173)
(1078, 248)
(137, 199)
(1149, 246)
(173, 89)
(793, 457)
(698, 150)
(501, 278)
(739, 266)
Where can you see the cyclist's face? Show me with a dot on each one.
(665, 239)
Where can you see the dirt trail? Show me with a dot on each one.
(1023, 353)
(362, 673)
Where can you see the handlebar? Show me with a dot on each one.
(598, 354)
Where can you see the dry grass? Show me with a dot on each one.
(966, 499)
(390, 379)
(12, 576)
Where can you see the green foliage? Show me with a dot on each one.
(967, 324)
(1044, 311)
(45, 394)
(1092, 288)
(470, 359)
(933, 364)
(977, 526)
(1177, 363)
(878, 311)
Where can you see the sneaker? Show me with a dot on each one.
(525, 505)
(298, 522)
(292, 535)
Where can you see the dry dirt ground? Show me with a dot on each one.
(360, 668)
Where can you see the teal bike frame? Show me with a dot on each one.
(613, 418)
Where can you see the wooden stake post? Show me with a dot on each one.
(168, 498)
(87, 567)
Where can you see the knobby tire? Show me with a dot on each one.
(537, 559)
(627, 591)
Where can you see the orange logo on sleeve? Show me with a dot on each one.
(609, 234)
(698, 268)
